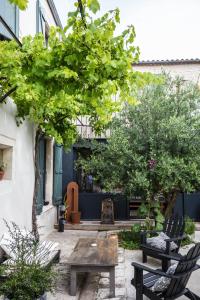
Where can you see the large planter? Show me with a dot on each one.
(43, 297)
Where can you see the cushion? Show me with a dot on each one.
(7, 243)
(163, 282)
(160, 243)
(45, 252)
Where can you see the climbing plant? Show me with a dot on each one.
(80, 72)
(22, 4)
(84, 70)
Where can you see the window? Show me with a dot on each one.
(10, 14)
(6, 156)
(42, 24)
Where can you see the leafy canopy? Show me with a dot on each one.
(92, 4)
(22, 4)
(154, 146)
(83, 69)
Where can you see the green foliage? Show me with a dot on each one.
(189, 226)
(189, 231)
(81, 71)
(151, 209)
(130, 239)
(154, 146)
(25, 277)
(93, 5)
(186, 241)
(22, 4)
(26, 283)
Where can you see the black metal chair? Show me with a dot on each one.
(178, 282)
(174, 229)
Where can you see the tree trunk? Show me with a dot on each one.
(171, 203)
(36, 186)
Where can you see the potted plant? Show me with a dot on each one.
(24, 276)
(2, 169)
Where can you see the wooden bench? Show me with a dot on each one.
(94, 255)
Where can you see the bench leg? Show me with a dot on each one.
(72, 282)
(112, 282)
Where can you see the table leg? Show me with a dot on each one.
(112, 282)
(72, 282)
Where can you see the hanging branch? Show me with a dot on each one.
(82, 12)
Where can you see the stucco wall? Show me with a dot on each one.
(188, 71)
(16, 194)
(27, 20)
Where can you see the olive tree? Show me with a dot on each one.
(154, 147)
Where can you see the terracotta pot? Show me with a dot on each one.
(1, 174)
(75, 217)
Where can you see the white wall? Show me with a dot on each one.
(16, 194)
(47, 12)
(27, 20)
(188, 71)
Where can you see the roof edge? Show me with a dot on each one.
(54, 13)
(167, 62)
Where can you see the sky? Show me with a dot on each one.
(165, 29)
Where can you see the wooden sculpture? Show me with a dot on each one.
(72, 214)
(107, 212)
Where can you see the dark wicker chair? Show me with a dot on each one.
(174, 229)
(179, 280)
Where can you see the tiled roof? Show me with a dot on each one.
(168, 62)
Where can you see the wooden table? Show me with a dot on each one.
(94, 255)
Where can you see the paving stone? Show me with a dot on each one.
(105, 274)
(121, 259)
(115, 298)
(120, 291)
(103, 293)
(105, 282)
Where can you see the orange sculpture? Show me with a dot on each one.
(72, 213)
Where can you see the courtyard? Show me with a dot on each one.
(99, 150)
(96, 286)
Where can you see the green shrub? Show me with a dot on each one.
(189, 226)
(25, 278)
(130, 239)
(189, 231)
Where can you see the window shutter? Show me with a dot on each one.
(57, 180)
(40, 20)
(10, 14)
(42, 172)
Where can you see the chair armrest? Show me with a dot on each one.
(170, 240)
(157, 272)
(171, 256)
(178, 238)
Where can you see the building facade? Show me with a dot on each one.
(189, 69)
(17, 143)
